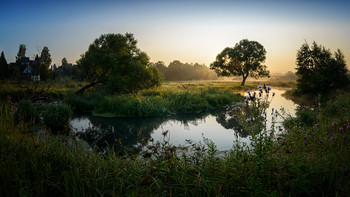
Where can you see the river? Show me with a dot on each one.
(136, 132)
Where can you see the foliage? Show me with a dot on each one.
(45, 62)
(26, 111)
(245, 59)
(64, 61)
(310, 161)
(115, 61)
(320, 72)
(3, 66)
(178, 71)
(21, 52)
(56, 117)
(152, 103)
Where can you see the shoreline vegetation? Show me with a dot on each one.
(310, 159)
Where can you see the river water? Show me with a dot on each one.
(135, 132)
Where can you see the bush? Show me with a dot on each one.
(56, 117)
(26, 111)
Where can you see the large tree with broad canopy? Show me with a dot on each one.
(114, 61)
(244, 59)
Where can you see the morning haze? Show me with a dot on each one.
(188, 31)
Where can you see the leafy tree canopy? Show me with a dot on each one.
(245, 59)
(45, 62)
(113, 60)
(320, 71)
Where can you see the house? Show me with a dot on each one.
(31, 69)
(27, 73)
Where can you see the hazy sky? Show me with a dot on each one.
(189, 31)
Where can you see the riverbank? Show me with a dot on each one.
(308, 160)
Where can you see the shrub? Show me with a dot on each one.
(56, 117)
(26, 111)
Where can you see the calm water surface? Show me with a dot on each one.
(215, 125)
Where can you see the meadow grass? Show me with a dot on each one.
(170, 98)
(306, 161)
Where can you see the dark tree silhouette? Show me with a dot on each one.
(21, 52)
(245, 59)
(319, 71)
(64, 61)
(45, 62)
(113, 60)
(3, 66)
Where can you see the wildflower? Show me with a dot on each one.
(348, 127)
(259, 87)
(273, 94)
(248, 120)
(304, 143)
(334, 123)
(277, 153)
(344, 136)
(304, 137)
(320, 141)
(283, 141)
(268, 88)
(331, 139)
(317, 125)
(248, 92)
(341, 128)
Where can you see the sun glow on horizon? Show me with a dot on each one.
(191, 32)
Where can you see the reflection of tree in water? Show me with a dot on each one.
(120, 132)
(131, 133)
(230, 123)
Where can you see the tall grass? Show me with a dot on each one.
(306, 161)
(153, 103)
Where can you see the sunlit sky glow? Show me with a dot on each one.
(189, 31)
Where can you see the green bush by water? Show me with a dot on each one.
(56, 117)
(26, 111)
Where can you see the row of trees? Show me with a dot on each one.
(115, 62)
(178, 71)
(40, 65)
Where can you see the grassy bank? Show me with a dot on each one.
(153, 102)
(169, 98)
(308, 161)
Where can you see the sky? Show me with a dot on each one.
(192, 31)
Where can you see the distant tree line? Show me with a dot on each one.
(178, 71)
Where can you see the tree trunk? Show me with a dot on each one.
(244, 78)
(81, 90)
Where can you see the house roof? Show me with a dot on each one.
(27, 70)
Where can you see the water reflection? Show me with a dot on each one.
(135, 132)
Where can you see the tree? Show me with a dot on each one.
(45, 62)
(319, 71)
(3, 66)
(64, 61)
(245, 59)
(21, 52)
(113, 60)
